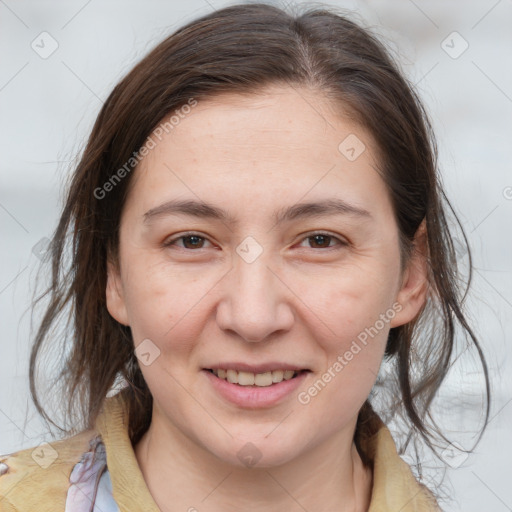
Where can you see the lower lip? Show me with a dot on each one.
(253, 397)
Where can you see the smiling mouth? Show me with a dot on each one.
(249, 379)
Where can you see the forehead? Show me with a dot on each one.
(282, 143)
(274, 122)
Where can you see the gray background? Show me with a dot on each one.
(48, 105)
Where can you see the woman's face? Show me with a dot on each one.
(258, 236)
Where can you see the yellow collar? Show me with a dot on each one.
(394, 486)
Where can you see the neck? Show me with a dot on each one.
(182, 475)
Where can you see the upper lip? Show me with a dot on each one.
(256, 368)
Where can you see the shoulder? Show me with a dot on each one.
(394, 485)
(38, 478)
(394, 481)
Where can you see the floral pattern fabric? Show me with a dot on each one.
(90, 487)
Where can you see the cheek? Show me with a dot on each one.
(353, 346)
(341, 303)
(163, 304)
(337, 304)
(359, 324)
(349, 314)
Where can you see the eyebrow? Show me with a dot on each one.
(200, 209)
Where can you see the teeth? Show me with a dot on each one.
(277, 376)
(263, 379)
(245, 378)
(254, 379)
(232, 376)
(288, 374)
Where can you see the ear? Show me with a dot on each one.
(114, 294)
(413, 290)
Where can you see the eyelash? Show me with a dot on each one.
(341, 242)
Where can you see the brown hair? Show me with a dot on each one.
(241, 49)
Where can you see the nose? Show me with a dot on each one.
(255, 302)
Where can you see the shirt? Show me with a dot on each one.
(96, 470)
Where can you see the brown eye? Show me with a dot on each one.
(323, 241)
(320, 240)
(191, 241)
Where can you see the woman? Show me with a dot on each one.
(256, 224)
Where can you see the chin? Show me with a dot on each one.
(257, 451)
